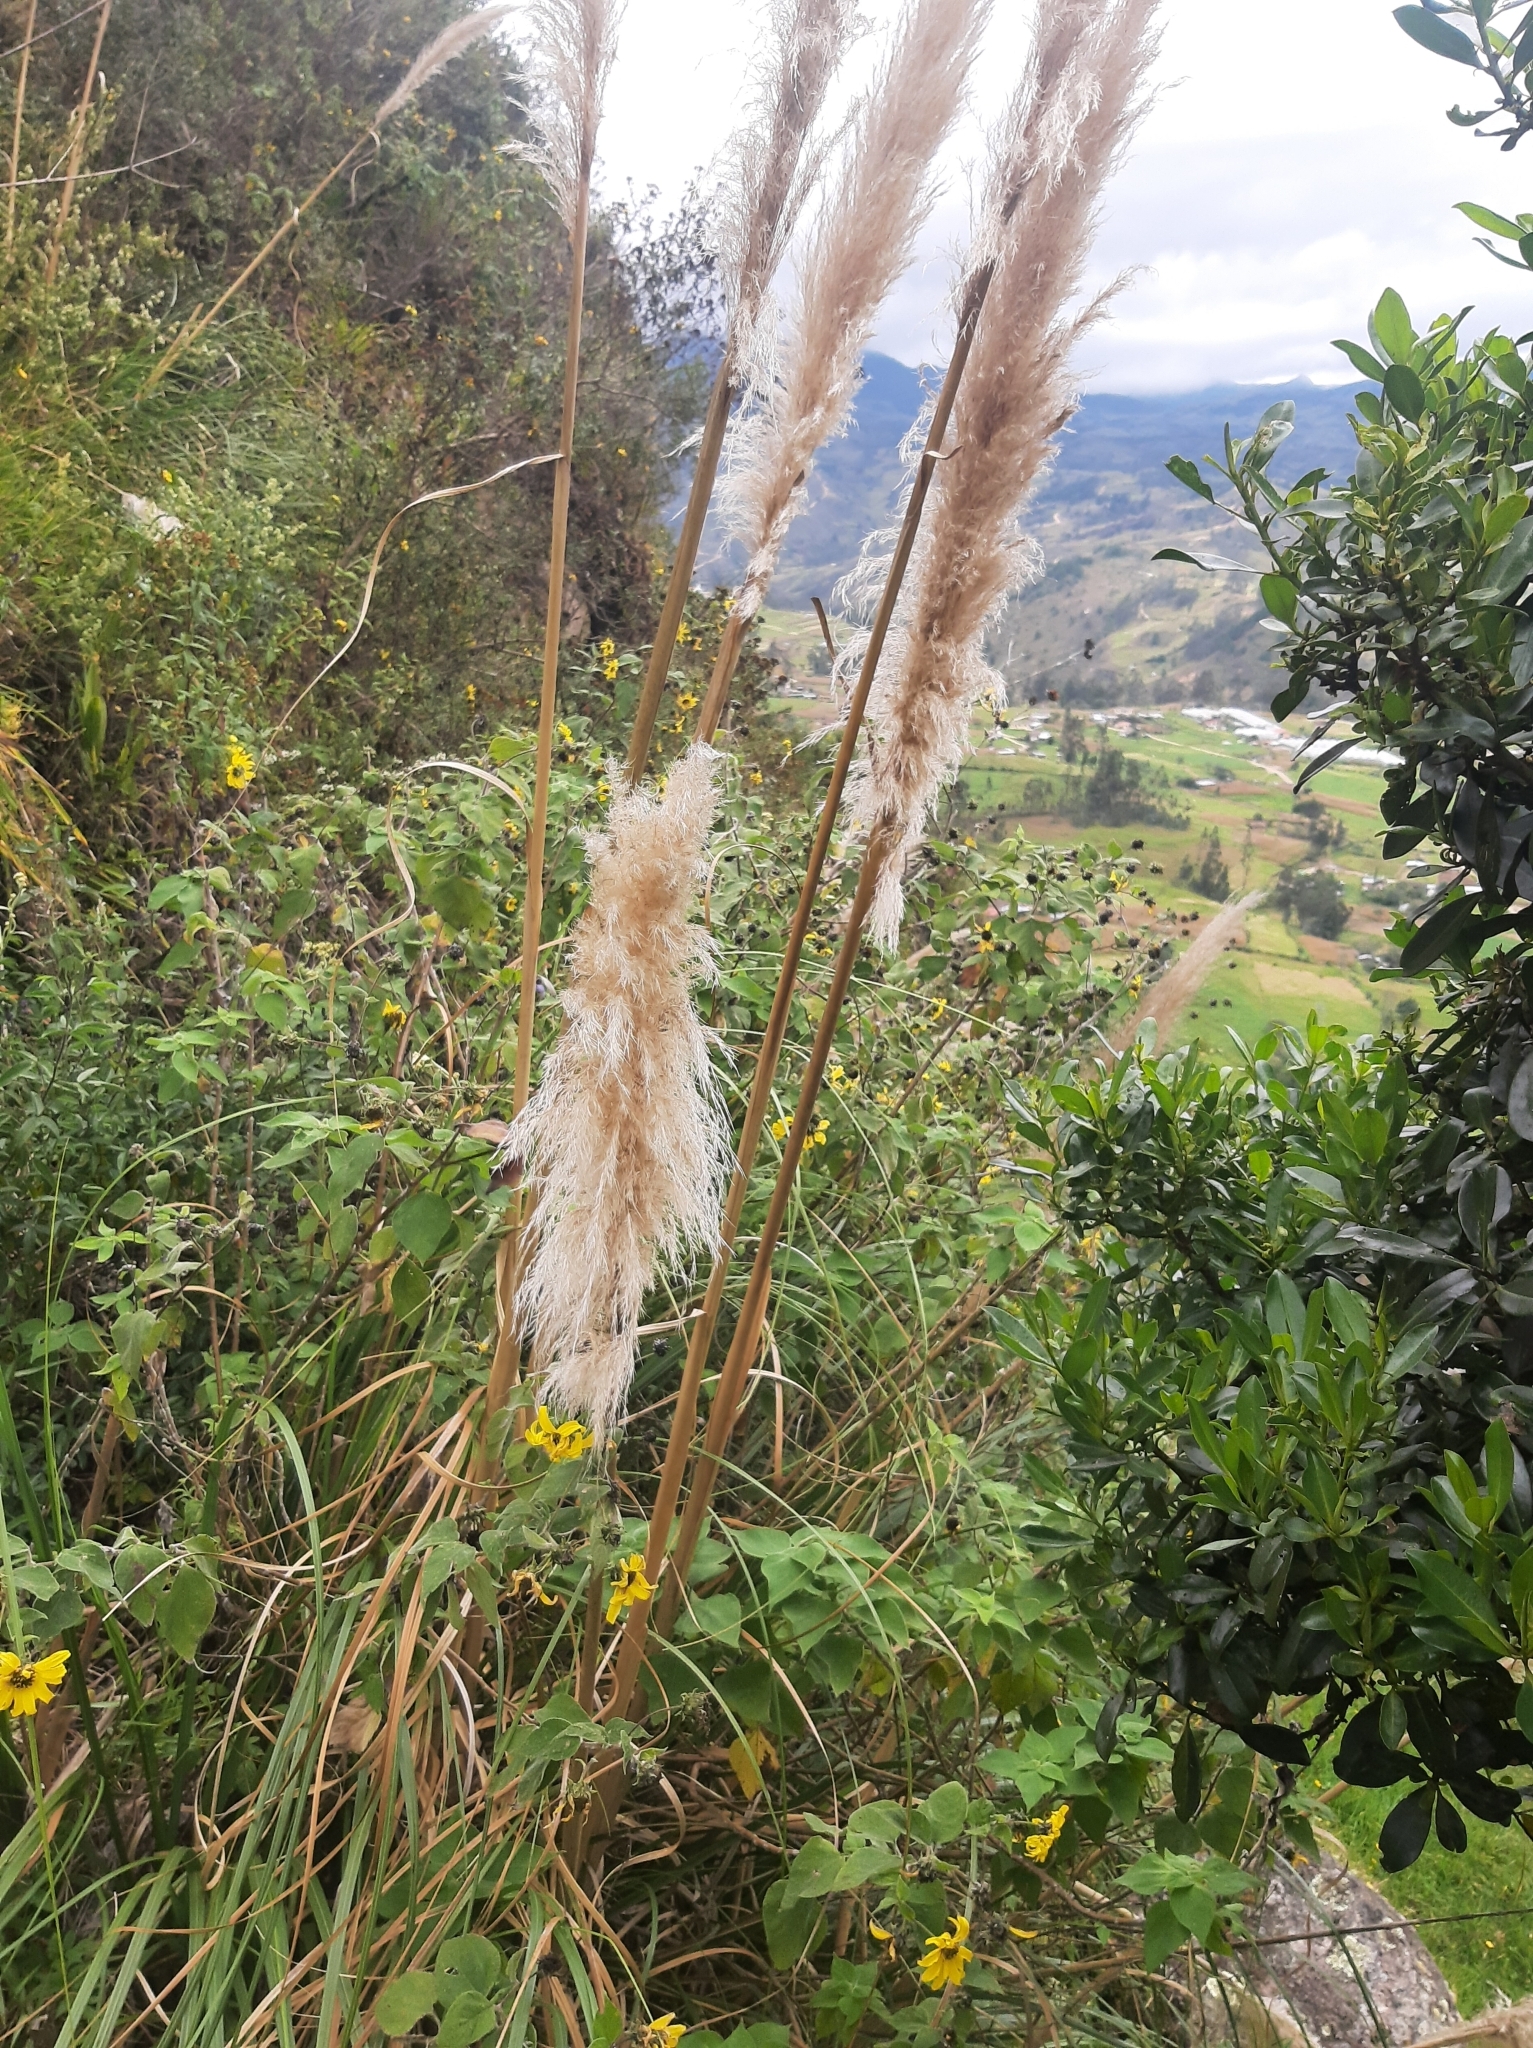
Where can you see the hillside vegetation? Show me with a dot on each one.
(479, 1563)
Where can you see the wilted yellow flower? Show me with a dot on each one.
(662, 2033)
(630, 1586)
(524, 1581)
(1023, 1933)
(26, 1686)
(563, 1441)
(393, 1014)
(239, 766)
(947, 1956)
(1037, 1846)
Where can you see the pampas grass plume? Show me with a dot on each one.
(574, 42)
(452, 42)
(1065, 132)
(776, 163)
(862, 241)
(626, 1140)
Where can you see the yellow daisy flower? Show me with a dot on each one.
(661, 2033)
(563, 1441)
(1037, 1846)
(947, 1956)
(26, 1686)
(631, 1586)
(239, 766)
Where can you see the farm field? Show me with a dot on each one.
(1226, 776)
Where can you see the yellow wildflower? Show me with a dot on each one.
(780, 1128)
(661, 2033)
(817, 1135)
(755, 778)
(524, 1581)
(1037, 1847)
(607, 649)
(686, 701)
(239, 766)
(540, 341)
(947, 1956)
(404, 547)
(563, 1441)
(631, 1585)
(26, 1686)
(470, 692)
(683, 634)
(166, 476)
(624, 453)
(609, 669)
(393, 1014)
(566, 735)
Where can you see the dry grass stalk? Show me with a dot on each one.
(774, 167)
(452, 42)
(862, 241)
(574, 75)
(1063, 136)
(626, 1141)
(78, 128)
(21, 101)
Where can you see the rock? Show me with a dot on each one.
(1304, 1984)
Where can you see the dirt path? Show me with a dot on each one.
(1164, 1000)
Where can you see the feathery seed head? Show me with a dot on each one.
(574, 42)
(626, 1138)
(1077, 107)
(452, 42)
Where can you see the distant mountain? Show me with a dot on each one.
(1104, 509)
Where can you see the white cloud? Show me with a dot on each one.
(1297, 161)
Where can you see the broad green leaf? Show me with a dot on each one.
(791, 1925)
(1454, 1595)
(1438, 36)
(421, 1223)
(468, 2019)
(1280, 598)
(815, 1871)
(1391, 327)
(403, 2004)
(1405, 392)
(1404, 1834)
(1494, 223)
(473, 1958)
(1188, 473)
(1360, 359)
(942, 1814)
(1163, 1934)
(186, 1613)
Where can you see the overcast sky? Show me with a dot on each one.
(1298, 161)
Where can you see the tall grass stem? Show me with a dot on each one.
(16, 119)
(683, 1424)
(76, 145)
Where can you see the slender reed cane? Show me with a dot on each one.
(631, 1653)
(21, 101)
(687, 544)
(76, 146)
(503, 1365)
